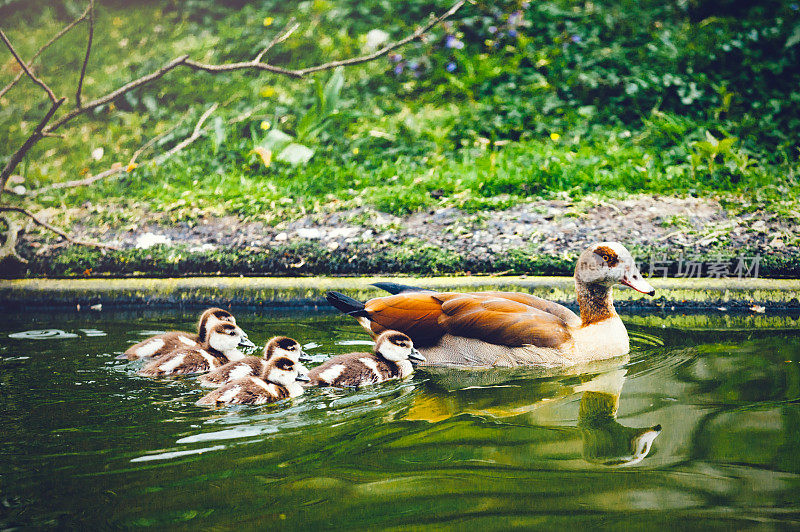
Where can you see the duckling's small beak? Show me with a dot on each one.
(636, 281)
(416, 356)
(244, 341)
(302, 377)
(305, 357)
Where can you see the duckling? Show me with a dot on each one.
(161, 344)
(278, 381)
(220, 348)
(390, 360)
(255, 366)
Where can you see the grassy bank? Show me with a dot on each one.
(508, 102)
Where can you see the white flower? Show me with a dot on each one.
(148, 240)
(375, 39)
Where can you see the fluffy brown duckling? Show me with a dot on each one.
(391, 359)
(280, 380)
(161, 344)
(253, 365)
(220, 348)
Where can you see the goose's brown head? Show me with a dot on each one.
(609, 263)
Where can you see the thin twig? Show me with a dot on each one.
(147, 145)
(56, 230)
(30, 74)
(86, 57)
(302, 72)
(9, 247)
(38, 134)
(117, 93)
(117, 168)
(198, 129)
(386, 49)
(282, 35)
(56, 37)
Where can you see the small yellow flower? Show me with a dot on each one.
(131, 167)
(268, 21)
(555, 136)
(489, 43)
(265, 125)
(267, 92)
(117, 21)
(355, 151)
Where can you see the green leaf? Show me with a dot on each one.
(275, 140)
(295, 154)
(333, 91)
(794, 38)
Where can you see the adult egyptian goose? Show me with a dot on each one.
(508, 328)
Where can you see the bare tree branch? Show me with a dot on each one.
(282, 35)
(36, 136)
(117, 168)
(86, 58)
(46, 129)
(147, 145)
(110, 97)
(56, 37)
(56, 230)
(8, 249)
(302, 72)
(386, 49)
(30, 74)
(198, 129)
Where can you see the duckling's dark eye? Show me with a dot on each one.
(606, 257)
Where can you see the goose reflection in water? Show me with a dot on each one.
(539, 397)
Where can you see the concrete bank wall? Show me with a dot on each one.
(276, 291)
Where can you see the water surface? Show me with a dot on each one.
(87, 443)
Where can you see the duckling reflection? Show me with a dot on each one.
(544, 397)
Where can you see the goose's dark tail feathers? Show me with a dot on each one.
(396, 288)
(348, 305)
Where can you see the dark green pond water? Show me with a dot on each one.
(88, 444)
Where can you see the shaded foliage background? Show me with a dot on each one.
(509, 101)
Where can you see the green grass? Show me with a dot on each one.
(584, 99)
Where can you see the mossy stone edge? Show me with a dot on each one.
(294, 291)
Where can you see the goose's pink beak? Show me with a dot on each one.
(637, 282)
